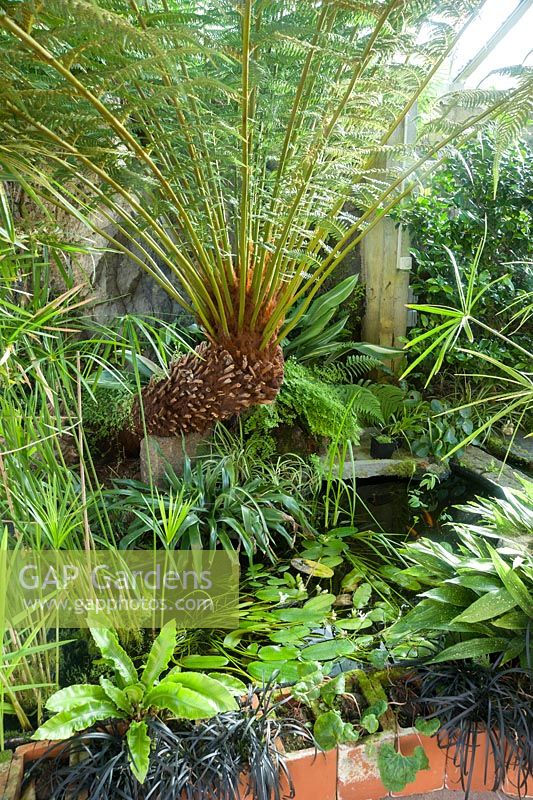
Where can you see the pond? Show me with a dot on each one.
(400, 506)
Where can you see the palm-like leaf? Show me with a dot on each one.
(226, 138)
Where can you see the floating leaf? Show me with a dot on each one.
(314, 568)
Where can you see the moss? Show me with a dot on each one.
(5, 756)
(402, 468)
(307, 402)
(108, 411)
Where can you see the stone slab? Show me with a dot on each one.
(402, 464)
(494, 474)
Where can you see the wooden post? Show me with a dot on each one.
(385, 266)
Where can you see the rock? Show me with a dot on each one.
(401, 465)
(488, 470)
(160, 452)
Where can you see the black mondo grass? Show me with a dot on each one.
(470, 699)
(94, 763)
(234, 755)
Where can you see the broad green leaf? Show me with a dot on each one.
(452, 594)
(203, 662)
(285, 671)
(428, 615)
(191, 695)
(181, 702)
(513, 621)
(74, 696)
(471, 649)
(488, 606)
(352, 580)
(325, 651)
(278, 653)
(66, 723)
(236, 687)
(290, 635)
(397, 770)
(160, 654)
(135, 692)
(321, 603)
(114, 654)
(512, 582)
(328, 730)
(116, 695)
(362, 595)
(353, 623)
(139, 749)
(314, 568)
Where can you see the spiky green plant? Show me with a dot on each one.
(222, 141)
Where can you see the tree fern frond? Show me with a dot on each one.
(235, 132)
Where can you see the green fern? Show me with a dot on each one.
(390, 398)
(354, 368)
(363, 403)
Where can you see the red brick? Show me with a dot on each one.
(311, 771)
(483, 771)
(358, 773)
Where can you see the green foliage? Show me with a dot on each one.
(453, 212)
(324, 697)
(479, 595)
(316, 336)
(397, 770)
(246, 127)
(436, 427)
(134, 698)
(460, 321)
(106, 412)
(322, 401)
(211, 505)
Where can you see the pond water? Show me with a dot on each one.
(399, 506)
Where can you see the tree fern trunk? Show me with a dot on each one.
(214, 382)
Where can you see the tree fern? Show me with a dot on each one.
(225, 140)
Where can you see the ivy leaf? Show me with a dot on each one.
(427, 727)
(397, 770)
(328, 730)
(330, 689)
(370, 723)
(349, 733)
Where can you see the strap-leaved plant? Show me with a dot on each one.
(135, 698)
(237, 150)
